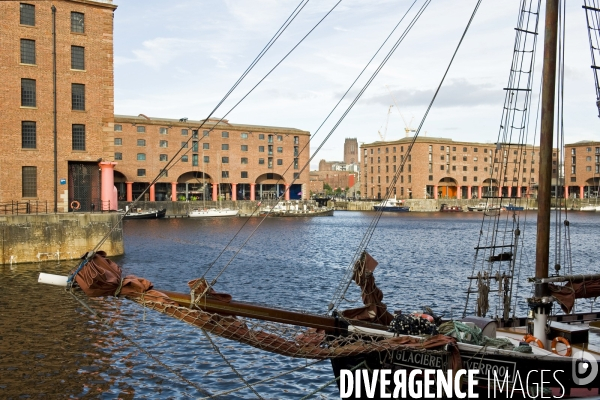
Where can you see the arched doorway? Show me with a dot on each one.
(269, 186)
(447, 188)
(194, 186)
(489, 188)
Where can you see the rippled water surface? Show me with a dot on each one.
(52, 346)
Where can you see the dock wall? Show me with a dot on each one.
(64, 236)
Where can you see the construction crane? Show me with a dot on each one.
(407, 127)
(382, 136)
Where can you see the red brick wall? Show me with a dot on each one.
(129, 165)
(97, 77)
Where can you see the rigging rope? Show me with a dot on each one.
(357, 97)
(345, 283)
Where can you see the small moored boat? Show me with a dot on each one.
(448, 208)
(138, 213)
(391, 205)
(212, 212)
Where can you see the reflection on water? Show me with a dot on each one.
(50, 345)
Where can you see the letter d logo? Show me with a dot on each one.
(584, 369)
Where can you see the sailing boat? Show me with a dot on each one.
(213, 211)
(370, 338)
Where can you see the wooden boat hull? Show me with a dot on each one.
(146, 214)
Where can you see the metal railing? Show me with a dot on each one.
(24, 207)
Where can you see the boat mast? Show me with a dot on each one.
(542, 255)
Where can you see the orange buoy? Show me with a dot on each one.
(537, 341)
(563, 341)
(75, 205)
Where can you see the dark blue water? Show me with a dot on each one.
(51, 346)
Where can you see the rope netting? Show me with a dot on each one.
(99, 276)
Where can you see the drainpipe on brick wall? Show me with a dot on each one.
(55, 116)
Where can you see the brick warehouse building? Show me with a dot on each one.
(582, 169)
(443, 168)
(238, 162)
(85, 165)
(31, 165)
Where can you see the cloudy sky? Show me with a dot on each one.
(179, 58)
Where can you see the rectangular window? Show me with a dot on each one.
(206, 159)
(195, 133)
(184, 132)
(225, 160)
(296, 140)
(118, 156)
(77, 22)
(279, 161)
(118, 142)
(78, 140)
(163, 143)
(244, 160)
(118, 128)
(27, 51)
(29, 181)
(225, 134)
(194, 160)
(141, 142)
(141, 129)
(206, 146)
(184, 145)
(270, 139)
(296, 175)
(27, 14)
(224, 146)
(141, 156)
(224, 174)
(244, 135)
(279, 138)
(78, 96)
(270, 162)
(28, 93)
(295, 163)
(205, 133)
(244, 147)
(280, 150)
(163, 157)
(163, 131)
(261, 136)
(28, 134)
(184, 158)
(78, 57)
(261, 161)
(194, 146)
(244, 174)
(261, 149)
(141, 172)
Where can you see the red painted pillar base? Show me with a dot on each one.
(234, 191)
(129, 191)
(252, 188)
(435, 192)
(152, 195)
(214, 192)
(107, 186)
(173, 191)
(287, 192)
(581, 192)
(458, 192)
(468, 192)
